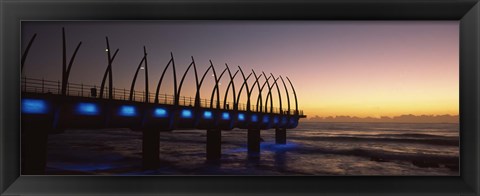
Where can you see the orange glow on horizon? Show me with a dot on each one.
(338, 68)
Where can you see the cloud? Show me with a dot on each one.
(406, 118)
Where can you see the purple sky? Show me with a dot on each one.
(361, 68)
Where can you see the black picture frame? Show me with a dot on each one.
(12, 12)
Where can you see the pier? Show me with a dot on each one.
(50, 107)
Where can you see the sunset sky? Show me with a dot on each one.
(356, 68)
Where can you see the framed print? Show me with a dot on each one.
(241, 97)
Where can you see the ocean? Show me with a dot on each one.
(392, 149)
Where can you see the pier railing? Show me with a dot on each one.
(33, 85)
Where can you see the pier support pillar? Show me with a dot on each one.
(281, 136)
(253, 140)
(214, 147)
(150, 148)
(34, 149)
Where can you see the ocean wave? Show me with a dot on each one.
(419, 160)
(420, 135)
(430, 141)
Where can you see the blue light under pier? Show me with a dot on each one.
(34, 106)
(160, 113)
(207, 115)
(127, 110)
(265, 119)
(186, 113)
(275, 120)
(241, 117)
(225, 116)
(254, 118)
(88, 109)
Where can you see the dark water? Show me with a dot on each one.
(311, 149)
